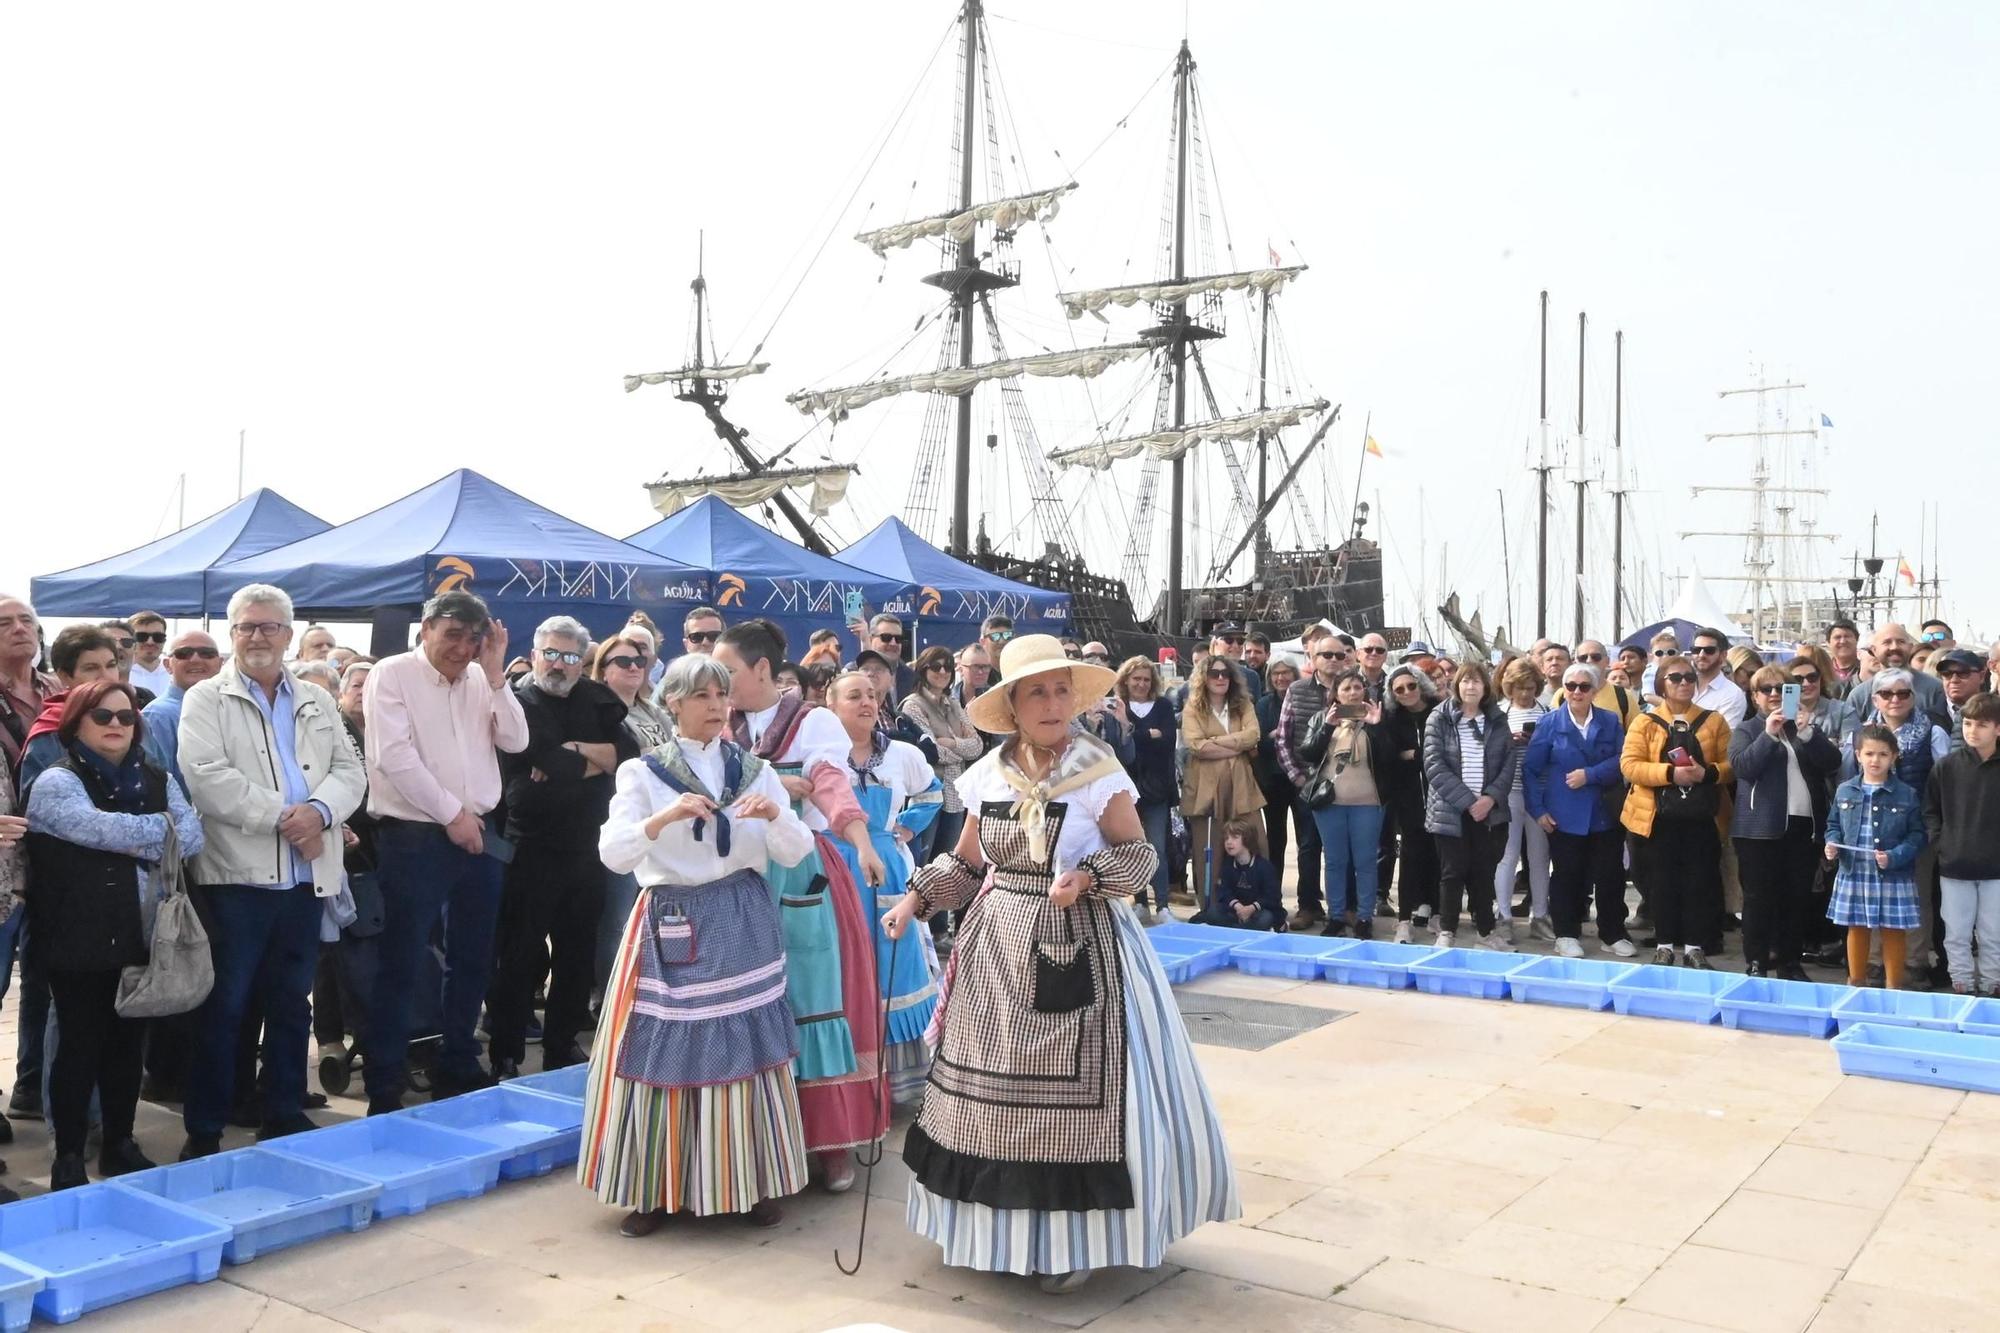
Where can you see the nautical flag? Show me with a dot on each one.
(1275, 261)
(1825, 421)
(1904, 572)
(1372, 447)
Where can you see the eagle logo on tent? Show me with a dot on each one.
(732, 590)
(929, 604)
(454, 575)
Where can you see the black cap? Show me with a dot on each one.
(1960, 657)
(1226, 627)
(867, 655)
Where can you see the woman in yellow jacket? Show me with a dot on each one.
(1219, 783)
(1676, 759)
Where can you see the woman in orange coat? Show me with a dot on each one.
(1219, 728)
(1676, 759)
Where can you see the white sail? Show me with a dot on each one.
(687, 374)
(1078, 304)
(828, 485)
(1084, 364)
(1008, 212)
(1171, 444)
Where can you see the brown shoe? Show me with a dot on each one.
(642, 1222)
(1305, 919)
(764, 1213)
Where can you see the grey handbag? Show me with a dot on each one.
(180, 973)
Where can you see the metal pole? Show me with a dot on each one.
(1581, 481)
(1506, 562)
(1542, 493)
(1618, 496)
(1263, 437)
(1176, 625)
(968, 258)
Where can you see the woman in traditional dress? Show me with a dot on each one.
(1065, 1126)
(899, 795)
(829, 932)
(690, 1104)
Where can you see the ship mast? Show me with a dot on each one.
(1178, 336)
(1263, 439)
(965, 289)
(1581, 479)
(1542, 493)
(1618, 494)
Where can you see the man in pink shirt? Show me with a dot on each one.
(435, 718)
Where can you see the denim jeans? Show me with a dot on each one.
(265, 945)
(1156, 817)
(427, 879)
(1351, 839)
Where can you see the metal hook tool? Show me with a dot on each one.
(869, 1156)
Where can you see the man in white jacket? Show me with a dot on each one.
(268, 765)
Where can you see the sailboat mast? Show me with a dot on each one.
(700, 285)
(1581, 481)
(1183, 66)
(1542, 493)
(966, 291)
(1263, 437)
(1618, 495)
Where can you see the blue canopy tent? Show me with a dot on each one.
(166, 575)
(467, 533)
(951, 597)
(758, 573)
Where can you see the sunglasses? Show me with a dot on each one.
(1590, 657)
(1663, 652)
(1955, 673)
(626, 662)
(1806, 677)
(559, 655)
(938, 666)
(1770, 689)
(104, 717)
(1224, 674)
(1895, 694)
(189, 654)
(888, 638)
(1680, 678)
(1406, 687)
(702, 635)
(1374, 652)
(1233, 640)
(1577, 687)
(1705, 650)
(1099, 658)
(260, 629)
(1000, 635)
(1935, 636)
(150, 636)
(1330, 657)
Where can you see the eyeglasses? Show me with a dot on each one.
(1663, 652)
(1935, 636)
(104, 717)
(702, 635)
(1590, 657)
(1705, 650)
(1000, 635)
(260, 629)
(189, 654)
(1680, 678)
(1770, 689)
(626, 662)
(559, 655)
(1577, 687)
(1806, 677)
(150, 636)
(881, 637)
(1895, 694)
(1233, 640)
(1373, 652)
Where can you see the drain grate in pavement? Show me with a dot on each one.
(1248, 1025)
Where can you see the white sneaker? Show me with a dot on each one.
(1443, 940)
(1623, 948)
(1505, 928)
(1420, 915)
(1542, 928)
(1569, 948)
(1402, 932)
(1497, 942)
(840, 1174)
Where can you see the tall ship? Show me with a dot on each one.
(1165, 507)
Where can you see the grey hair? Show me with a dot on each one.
(1587, 671)
(16, 597)
(565, 627)
(634, 631)
(690, 673)
(1893, 676)
(353, 669)
(319, 673)
(261, 594)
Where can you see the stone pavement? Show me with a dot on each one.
(1421, 1162)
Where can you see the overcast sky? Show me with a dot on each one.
(391, 240)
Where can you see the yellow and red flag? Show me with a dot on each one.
(1372, 447)
(1904, 572)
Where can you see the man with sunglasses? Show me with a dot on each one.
(267, 766)
(887, 638)
(1229, 639)
(558, 794)
(149, 645)
(1937, 636)
(700, 629)
(1715, 691)
(1326, 657)
(1964, 675)
(996, 632)
(192, 660)
(1372, 656)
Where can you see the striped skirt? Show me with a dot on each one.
(715, 1149)
(1181, 1173)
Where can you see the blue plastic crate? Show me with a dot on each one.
(1579, 983)
(1981, 1018)
(1920, 1055)
(1901, 1008)
(565, 1082)
(1373, 963)
(1196, 934)
(1295, 956)
(1184, 961)
(1689, 994)
(539, 1132)
(1479, 974)
(1796, 1008)
(96, 1246)
(268, 1200)
(416, 1164)
(17, 1297)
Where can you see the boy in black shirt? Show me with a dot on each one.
(1246, 884)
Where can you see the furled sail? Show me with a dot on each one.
(1085, 363)
(827, 486)
(688, 374)
(1078, 304)
(1171, 444)
(1003, 213)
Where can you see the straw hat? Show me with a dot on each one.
(1036, 655)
